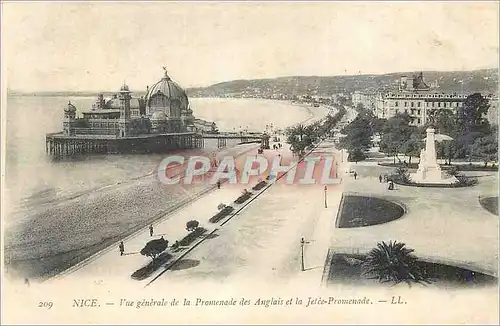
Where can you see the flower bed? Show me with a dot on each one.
(460, 167)
(243, 198)
(359, 211)
(259, 185)
(347, 269)
(146, 271)
(463, 181)
(191, 236)
(221, 214)
(490, 204)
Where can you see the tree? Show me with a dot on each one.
(192, 225)
(471, 116)
(444, 121)
(393, 262)
(301, 137)
(486, 147)
(471, 122)
(378, 125)
(358, 134)
(412, 146)
(356, 155)
(395, 135)
(154, 248)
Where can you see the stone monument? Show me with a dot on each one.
(429, 170)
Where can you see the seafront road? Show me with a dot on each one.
(263, 240)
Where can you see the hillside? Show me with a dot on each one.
(485, 80)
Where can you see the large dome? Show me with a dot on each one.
(168, 92)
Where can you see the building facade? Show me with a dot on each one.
(420, 102)
(164, 109)
(368, 100)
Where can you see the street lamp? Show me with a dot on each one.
(302, 243)
(326, 206)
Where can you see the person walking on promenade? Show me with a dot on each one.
(122, 248)
(218, 184)
(355, 175)
(380, 178)
(151, 230)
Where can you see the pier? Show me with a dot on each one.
(59, 145)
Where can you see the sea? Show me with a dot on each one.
(43, 196)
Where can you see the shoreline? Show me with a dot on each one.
(107, 202)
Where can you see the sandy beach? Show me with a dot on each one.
(57, 234)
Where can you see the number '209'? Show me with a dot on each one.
(45, 304)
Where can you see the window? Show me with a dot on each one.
(444, 104)
(418, 112)
(396, 103)
(418, 120)
(406, 104)
(412, 104)
(406, 110)
(418, 104)
(439, 104)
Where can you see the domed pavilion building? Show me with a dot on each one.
(160, 120)
(169, 99)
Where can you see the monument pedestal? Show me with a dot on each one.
(428, 169)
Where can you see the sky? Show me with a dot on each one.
(97, 46)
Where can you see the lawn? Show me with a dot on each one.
(490, 204)
(358, 211)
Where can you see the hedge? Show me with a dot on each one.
(191, 236)
(221, 214)
(243, 198)
(259, 185)
(462, 182)
(460, 167)
(146, 271)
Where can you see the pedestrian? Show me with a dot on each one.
(151, 230)
(218, 184)
(122, 248)
(355, 175)
(380, 178)
(26, 281)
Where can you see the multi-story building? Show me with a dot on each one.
(368, 100)
(417, 99)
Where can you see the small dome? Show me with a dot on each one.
(159, 116)
(70, 108)
(124, 88)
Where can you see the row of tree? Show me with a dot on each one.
(358, 134)
(302, 137)
(472, 136)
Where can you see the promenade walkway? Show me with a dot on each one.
(261, 245)
(262, 240)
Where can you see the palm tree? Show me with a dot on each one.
(393, 262)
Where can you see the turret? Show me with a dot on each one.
(100, 102)
(69, 120)
(403, 83)
(124, 122)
